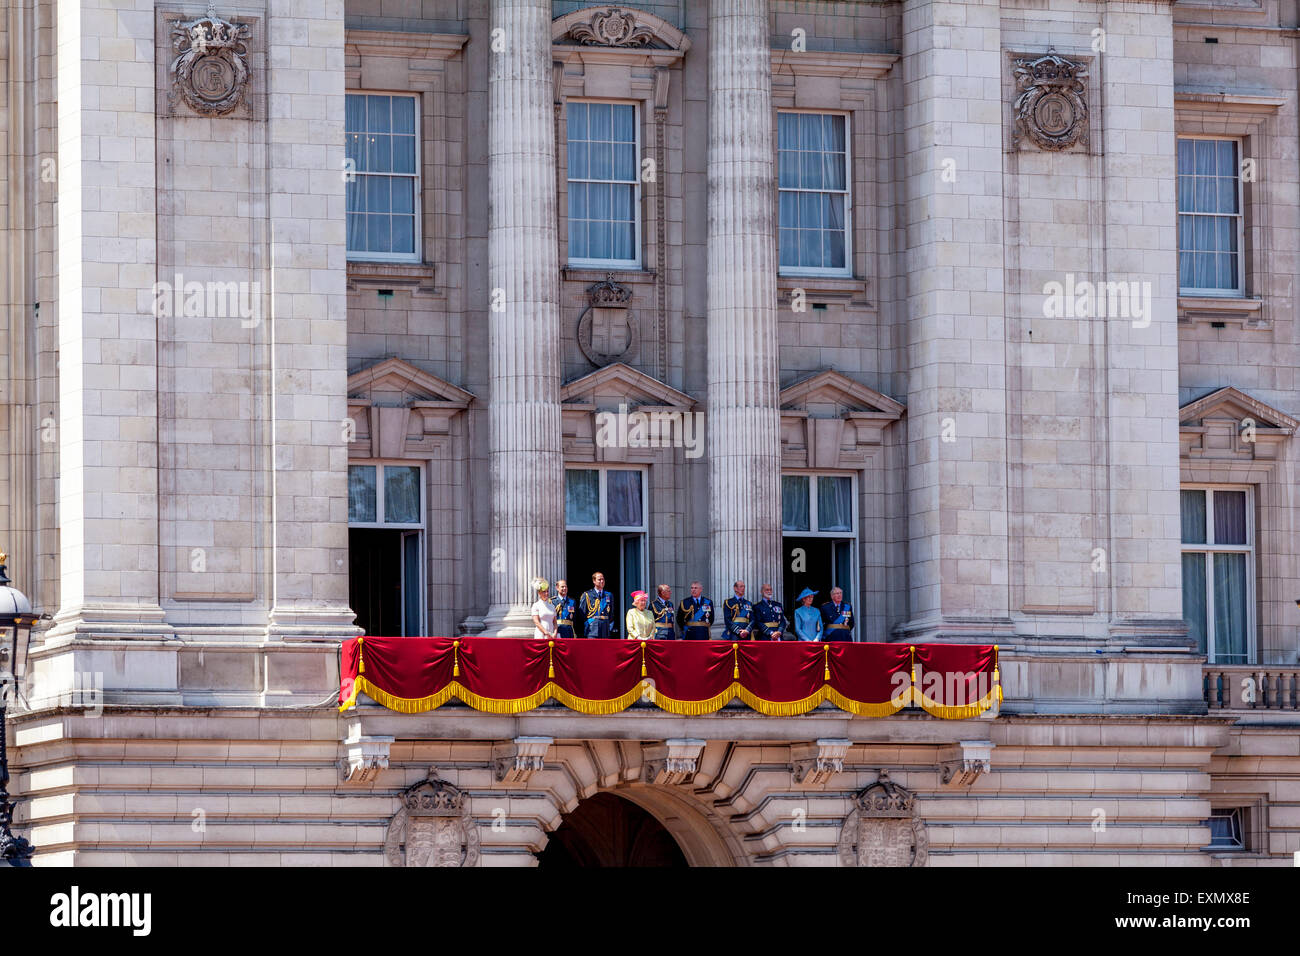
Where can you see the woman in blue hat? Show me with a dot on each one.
(807, 619)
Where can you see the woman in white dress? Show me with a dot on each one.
(543, 611)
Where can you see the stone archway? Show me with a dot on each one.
(637, 825)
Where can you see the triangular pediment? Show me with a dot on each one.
(1230, 403)
(622, 384)
(830, 388)
(394, 382)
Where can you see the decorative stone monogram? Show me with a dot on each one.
(210, 71)
(433, 828)
(606, 333)
(883, 828)
(614, 27)
(1050, 109)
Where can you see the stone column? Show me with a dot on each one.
(743, 427)
(956, 405)
(525, 451)
(1142, 353)
(108, 348)
(307, 325)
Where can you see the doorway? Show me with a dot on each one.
(619, 556)
(606, 830)
(817, 563)
(384, 581)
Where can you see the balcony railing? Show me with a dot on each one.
(1251, 687)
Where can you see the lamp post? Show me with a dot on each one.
(16, 620)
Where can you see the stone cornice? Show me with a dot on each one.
(437, 46)
(846, 65)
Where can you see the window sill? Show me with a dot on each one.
(1238, 310)
(620, 274)
(848, 289)
(418, 276)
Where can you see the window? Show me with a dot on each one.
(1210, 237)
(383, 150)
(1227, 829)
(604, 499)
(386, 561)
(820, 507)
(604, 185)
(393, 502)
(813, 177)
(1219, 571)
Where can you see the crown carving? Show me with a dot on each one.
(433, 798)
(884, 798)
(609, 294)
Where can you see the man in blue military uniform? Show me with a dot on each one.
(662, 609)
(695, 614)
(736, 614)
(837, 615)
(595, 609)
(768, 618)
(565, 609)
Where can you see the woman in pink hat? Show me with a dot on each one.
(640, 622)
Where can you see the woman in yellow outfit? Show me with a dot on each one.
(640, 622)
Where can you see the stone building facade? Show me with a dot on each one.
(322, 316)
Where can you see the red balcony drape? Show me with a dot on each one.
(509, 676)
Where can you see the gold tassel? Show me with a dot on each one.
(997, 673)
(735, 653)
(455, 658)
(361, 658)
(550, 658)
(826, 657)
(643, 658)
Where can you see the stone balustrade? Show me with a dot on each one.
(1252, 687)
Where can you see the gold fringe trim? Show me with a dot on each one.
(693, 708)
(782, 708)
(613, 706)
(957, 711)
(866, 709)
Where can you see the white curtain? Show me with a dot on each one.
(1230, 609)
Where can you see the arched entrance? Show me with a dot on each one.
(606, 830)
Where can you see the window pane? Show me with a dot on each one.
(403, 234)
(624, 163)
(1230, 517)
(577, 121)
(623, 498)
(404, 154)
(411, 583)
(379, 114)
(624, 117)
(794, 503)
(834, 504)
(1225, 828)
(361, 493)
(600, 128)
(401, 494)
(402, 194)
(379, 234)
(1194, 598)
(582, 497)
(1193, 508)
(578, 163)
(404, 114)
(1230, 609)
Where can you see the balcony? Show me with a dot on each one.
(1252, 688)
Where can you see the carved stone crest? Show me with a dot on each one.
(606, 333)
(612, 27)
(883, 828)
(210, 70)
(432, 828)
(1050, 108)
